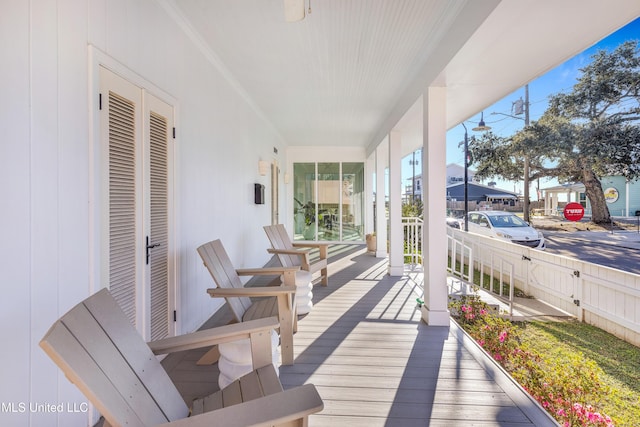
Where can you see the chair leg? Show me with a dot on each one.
(325, 277)
(324, 252)
(286, 314)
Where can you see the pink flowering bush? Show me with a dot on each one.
(499, 337)
(468, 309)
(569, 388)
(562, 387)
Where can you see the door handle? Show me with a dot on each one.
(150, 246)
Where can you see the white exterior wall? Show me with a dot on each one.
(45, 173)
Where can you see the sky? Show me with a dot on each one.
(560, 79)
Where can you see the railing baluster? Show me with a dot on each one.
(412, 232)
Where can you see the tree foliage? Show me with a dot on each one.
(590, 132)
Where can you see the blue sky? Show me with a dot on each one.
(560, 79)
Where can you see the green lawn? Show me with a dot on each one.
(618, 360)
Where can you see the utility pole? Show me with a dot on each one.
(526, 156)
(523, 107)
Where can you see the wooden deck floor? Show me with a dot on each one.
(375, 362)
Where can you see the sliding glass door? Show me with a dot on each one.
(328, 201)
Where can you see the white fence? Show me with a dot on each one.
(598, 295)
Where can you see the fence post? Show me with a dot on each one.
(579, 292)
(526, 274)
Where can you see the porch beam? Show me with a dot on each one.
(434, 310)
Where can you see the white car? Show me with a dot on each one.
(505, 226)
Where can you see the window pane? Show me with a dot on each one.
(353, 201)
(328, 201)
(304, 206)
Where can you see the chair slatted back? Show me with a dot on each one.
(101, 352)
(219, 264)
(279, 239)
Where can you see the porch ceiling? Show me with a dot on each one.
(349, 72)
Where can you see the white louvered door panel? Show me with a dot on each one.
(122, 203)
(121, 132)
(159, 127)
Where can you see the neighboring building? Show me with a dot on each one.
(409, 194)
(481, 193)
(455, 174)
(623, 197)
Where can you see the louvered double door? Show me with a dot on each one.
(136, 138)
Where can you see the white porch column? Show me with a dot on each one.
(547, 202)
(396, 236)
(435, 311)
(370, 187)
(626, 200)
(381, 215)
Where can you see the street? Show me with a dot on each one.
(599, 251)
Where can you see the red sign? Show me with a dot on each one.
(573, 211)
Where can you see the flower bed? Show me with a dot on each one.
(568, 388)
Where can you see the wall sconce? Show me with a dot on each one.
(263, 167)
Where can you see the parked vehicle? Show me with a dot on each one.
(506, 226)
(454, 222)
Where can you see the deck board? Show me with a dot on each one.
(375, 363)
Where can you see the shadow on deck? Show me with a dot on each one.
(375, 362)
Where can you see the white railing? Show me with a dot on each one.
(412, 232)
(491, 264)
(461, 256)
(602, 296)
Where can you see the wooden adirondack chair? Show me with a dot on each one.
(280, 304)
(98, 349)
(297, 254)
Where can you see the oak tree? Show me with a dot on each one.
(585, 134)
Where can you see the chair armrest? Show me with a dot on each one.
(213, 336)
(310, 245)
(265, 271)
(303, 254)
(323, 247)
(257, 291)
(299, 251)
(278, 408)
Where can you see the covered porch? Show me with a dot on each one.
(552, 196)
(376, 363)
(220, 98)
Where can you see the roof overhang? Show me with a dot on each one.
(354, 70)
